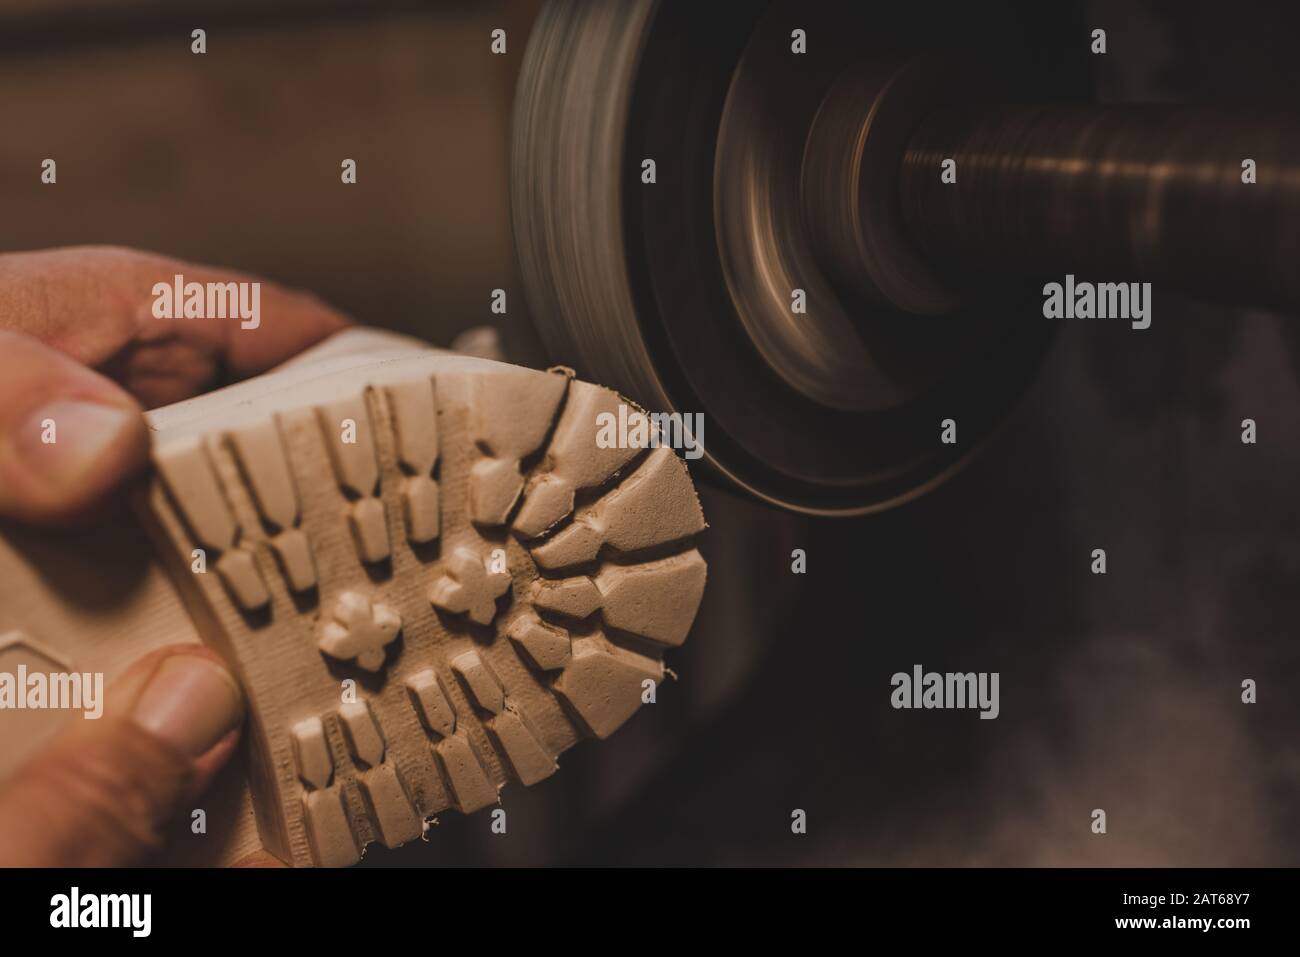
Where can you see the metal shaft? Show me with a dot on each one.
(1126, 193)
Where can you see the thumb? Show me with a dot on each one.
(68, 436)
(101, 793)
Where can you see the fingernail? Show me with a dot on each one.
(190, 702)
(64, 440)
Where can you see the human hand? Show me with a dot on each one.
(80, 347)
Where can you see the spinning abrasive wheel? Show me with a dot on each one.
(779, 171)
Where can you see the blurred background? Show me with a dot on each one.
(1119, 692)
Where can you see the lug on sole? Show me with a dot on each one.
(429, 579)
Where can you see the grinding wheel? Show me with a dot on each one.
(783, 176)
(627, 281)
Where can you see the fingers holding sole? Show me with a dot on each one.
(103, 306)
(102, 792)
(68, 435)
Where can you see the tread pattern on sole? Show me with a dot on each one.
(349, 437)
(466, 596)
(415, 428)
(360, 631)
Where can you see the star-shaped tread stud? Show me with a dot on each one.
(470, 583)
(360, 630)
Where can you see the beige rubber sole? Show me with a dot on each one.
(428, 577)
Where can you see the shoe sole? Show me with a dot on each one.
(428, 577)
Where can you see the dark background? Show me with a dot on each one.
(1119, 692)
